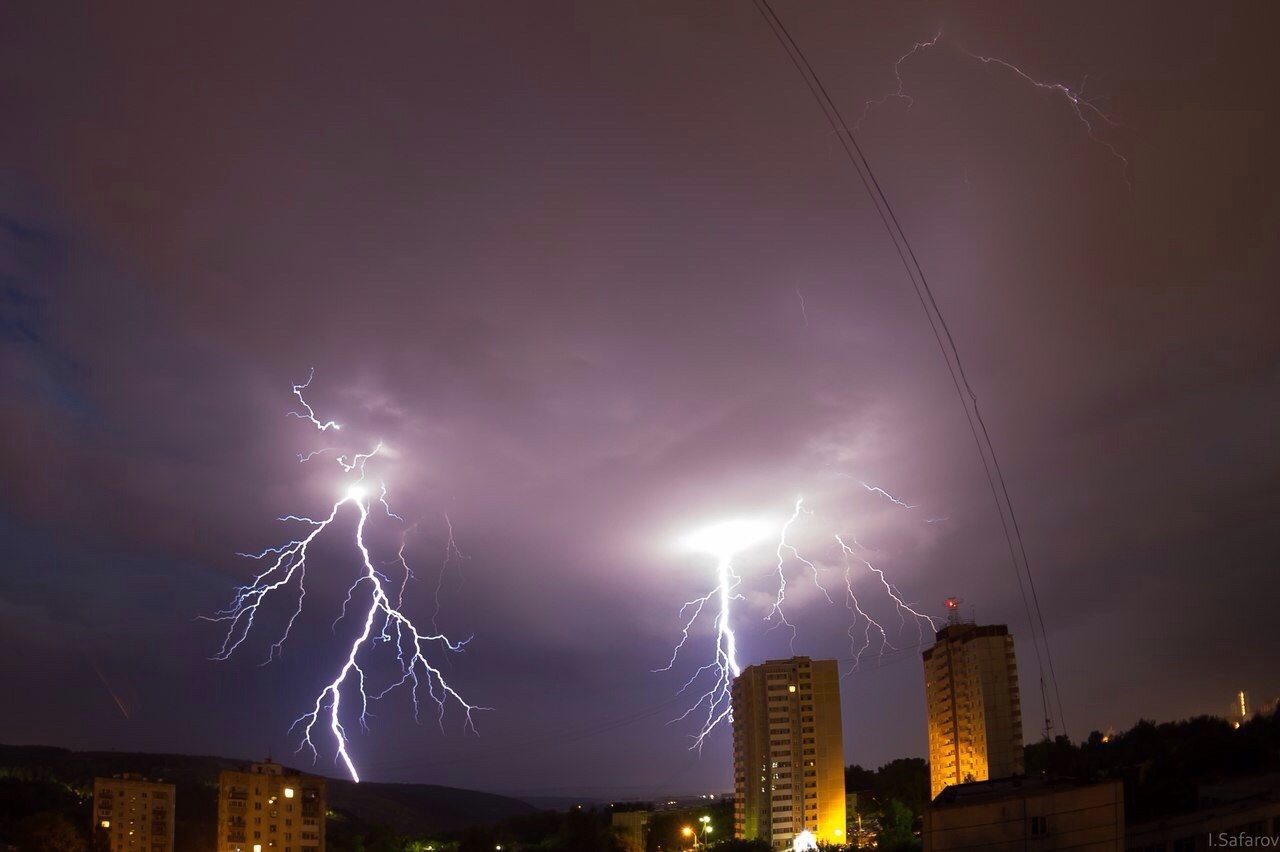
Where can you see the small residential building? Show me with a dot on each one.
(268, 808)
(1232, 815)
(631, 828)
(132, 814)
(1027, 814)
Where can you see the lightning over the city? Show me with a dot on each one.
(379, 599)
(728, 543)
(679, 368)
(722, 542)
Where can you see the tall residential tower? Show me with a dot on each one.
(788, 756)
(975, 715)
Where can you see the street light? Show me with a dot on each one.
(704, 827)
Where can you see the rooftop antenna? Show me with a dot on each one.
(1048, 722)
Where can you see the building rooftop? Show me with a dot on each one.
(1019, 786)
(969, 630)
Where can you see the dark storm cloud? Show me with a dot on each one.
(556, 260)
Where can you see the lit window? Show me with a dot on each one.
(288, 792)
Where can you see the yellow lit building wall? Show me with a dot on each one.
(133, 814)
(974, 710)
(268, 808)
(788, 752)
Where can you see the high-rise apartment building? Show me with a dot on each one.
(133, 814)
(788, 755)
(975, 715)
(267, 808)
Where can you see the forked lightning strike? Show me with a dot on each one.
(722, 541)
(383, 621)
(728, 540)
(1085, 111)
(903, 607)
(785, 547)
(899, 93)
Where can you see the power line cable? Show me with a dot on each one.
(942, 334)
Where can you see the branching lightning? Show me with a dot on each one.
(900, 92)
(1086, 111)
(310, 414)
(383, 621)
(903, 607)
(784, 548)
(723, 542)
(451, 553)
(714, 704)
(875, 489)
(1079, 105)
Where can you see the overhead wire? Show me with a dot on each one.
(946, 344)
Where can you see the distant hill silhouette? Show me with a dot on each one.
(418, 809)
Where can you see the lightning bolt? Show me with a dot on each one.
(1082, 108)
(451, 552)
(784, 548)
(383, 621)
(717, 699)
(310, 415)
(875, 489)
(900, 92)
(714, 704)
(902, 606)
(804, 313)
(1086, 111)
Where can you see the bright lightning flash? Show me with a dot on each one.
(727, 540)
(384, 623)
(722, 541)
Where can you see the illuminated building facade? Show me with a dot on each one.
(268, 808)
(788, 755)
(132, 814)
(975, 714)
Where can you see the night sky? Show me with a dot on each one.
(600, 274)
